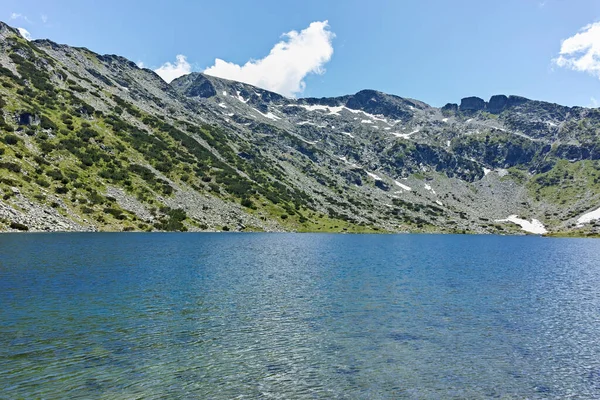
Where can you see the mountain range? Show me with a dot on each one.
(92, 142)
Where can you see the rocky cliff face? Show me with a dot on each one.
(91, 142)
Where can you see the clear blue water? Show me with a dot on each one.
(298, 316)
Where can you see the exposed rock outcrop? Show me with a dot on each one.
(497, 103)
(450, 109)
(472, 104)
(26, 118)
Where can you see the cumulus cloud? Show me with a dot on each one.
(581, 52)
(283, 70)
(25, 33)
(170, 71)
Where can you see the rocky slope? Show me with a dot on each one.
(92, 142)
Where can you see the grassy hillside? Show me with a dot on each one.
(92, 142)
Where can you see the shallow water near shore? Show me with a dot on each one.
(259, 315)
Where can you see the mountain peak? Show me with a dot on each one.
(201, 85)
(7, 29)
(495, 105)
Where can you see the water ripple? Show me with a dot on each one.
(150, 316)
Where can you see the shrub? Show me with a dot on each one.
(55, 174)
(86, 134)
(21, 227)
(247, 203)
(118, 214)
(42, 182)
(46, 123)
(11, 166)
(172, 221)
(40, 160)
(11, 139)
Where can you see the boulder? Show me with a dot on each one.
(382, 185)
(26, 118)
(353, 176)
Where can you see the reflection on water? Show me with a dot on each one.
(298, 316)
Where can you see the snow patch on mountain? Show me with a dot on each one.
(240, 98)
(374, 176)
(332, 110)
(268, 115)
(535, 226)
(404, 135)
(428, 187)
(308, 141)
(588, 217)
(403, 186)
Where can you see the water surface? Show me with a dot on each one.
(298, 316)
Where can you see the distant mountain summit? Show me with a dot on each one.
(93, 142)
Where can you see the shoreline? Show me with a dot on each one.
(559, 235)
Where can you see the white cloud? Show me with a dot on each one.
(283, 70)
(21, 16)
(44, 18)
(141, 64)
(593, 102)
(25, 33)
(581, 52)
(170, 71)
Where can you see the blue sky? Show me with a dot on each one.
(435, 51)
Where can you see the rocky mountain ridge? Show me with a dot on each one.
(92, 142)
